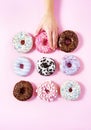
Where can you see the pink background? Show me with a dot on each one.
(35, 114)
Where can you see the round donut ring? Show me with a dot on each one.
(70, 65)
(68, 41)
(23, 42)
(42, 43)
(70, 90)
(22, 66)
(23, 90)
(46, 66)
(48, 91)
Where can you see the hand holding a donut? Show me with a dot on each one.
(49, 24)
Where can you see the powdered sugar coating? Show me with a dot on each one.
(42, 43)
(23, 42)
(70, 90)
(70, 65)
(22, 66)
(47, 91)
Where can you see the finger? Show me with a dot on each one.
(49, 35)
(55, 37)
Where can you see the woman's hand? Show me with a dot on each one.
(49, 24)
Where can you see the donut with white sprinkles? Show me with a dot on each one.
(23, 42)
(70, 90)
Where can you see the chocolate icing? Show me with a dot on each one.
(23, 90)
(68, 41)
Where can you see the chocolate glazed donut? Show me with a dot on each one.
(68, 41)
(23, 90)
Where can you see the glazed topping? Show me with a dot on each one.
(47, 91)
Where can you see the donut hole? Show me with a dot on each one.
(22, 90)
(67, 41)
(44, 42)
(47, 91)
(22, 42)
(69, 65)
(21, 66)
(70, 90)
(45, 65)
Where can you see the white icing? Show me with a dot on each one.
(46, 71)
(28, 42)
(75, 65)
(22, 71)
(76, 90)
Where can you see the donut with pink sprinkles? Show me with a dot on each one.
(42, 44)
(47, 91)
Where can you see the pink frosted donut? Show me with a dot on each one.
(41, 43)
(48, 91)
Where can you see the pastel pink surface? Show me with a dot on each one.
(18, 15)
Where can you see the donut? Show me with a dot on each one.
(42, 44)
(69, 65)
(68, 41)
(23, 90)
(47, 91)
(23, 42)
(46, 66)
(22, 66)
(70, 90)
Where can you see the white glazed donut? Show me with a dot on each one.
(48, 91)
(70, 90)
(70, 64)
(23, 42)
(22, 66)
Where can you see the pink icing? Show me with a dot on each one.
(42, 44)
(48, 91)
